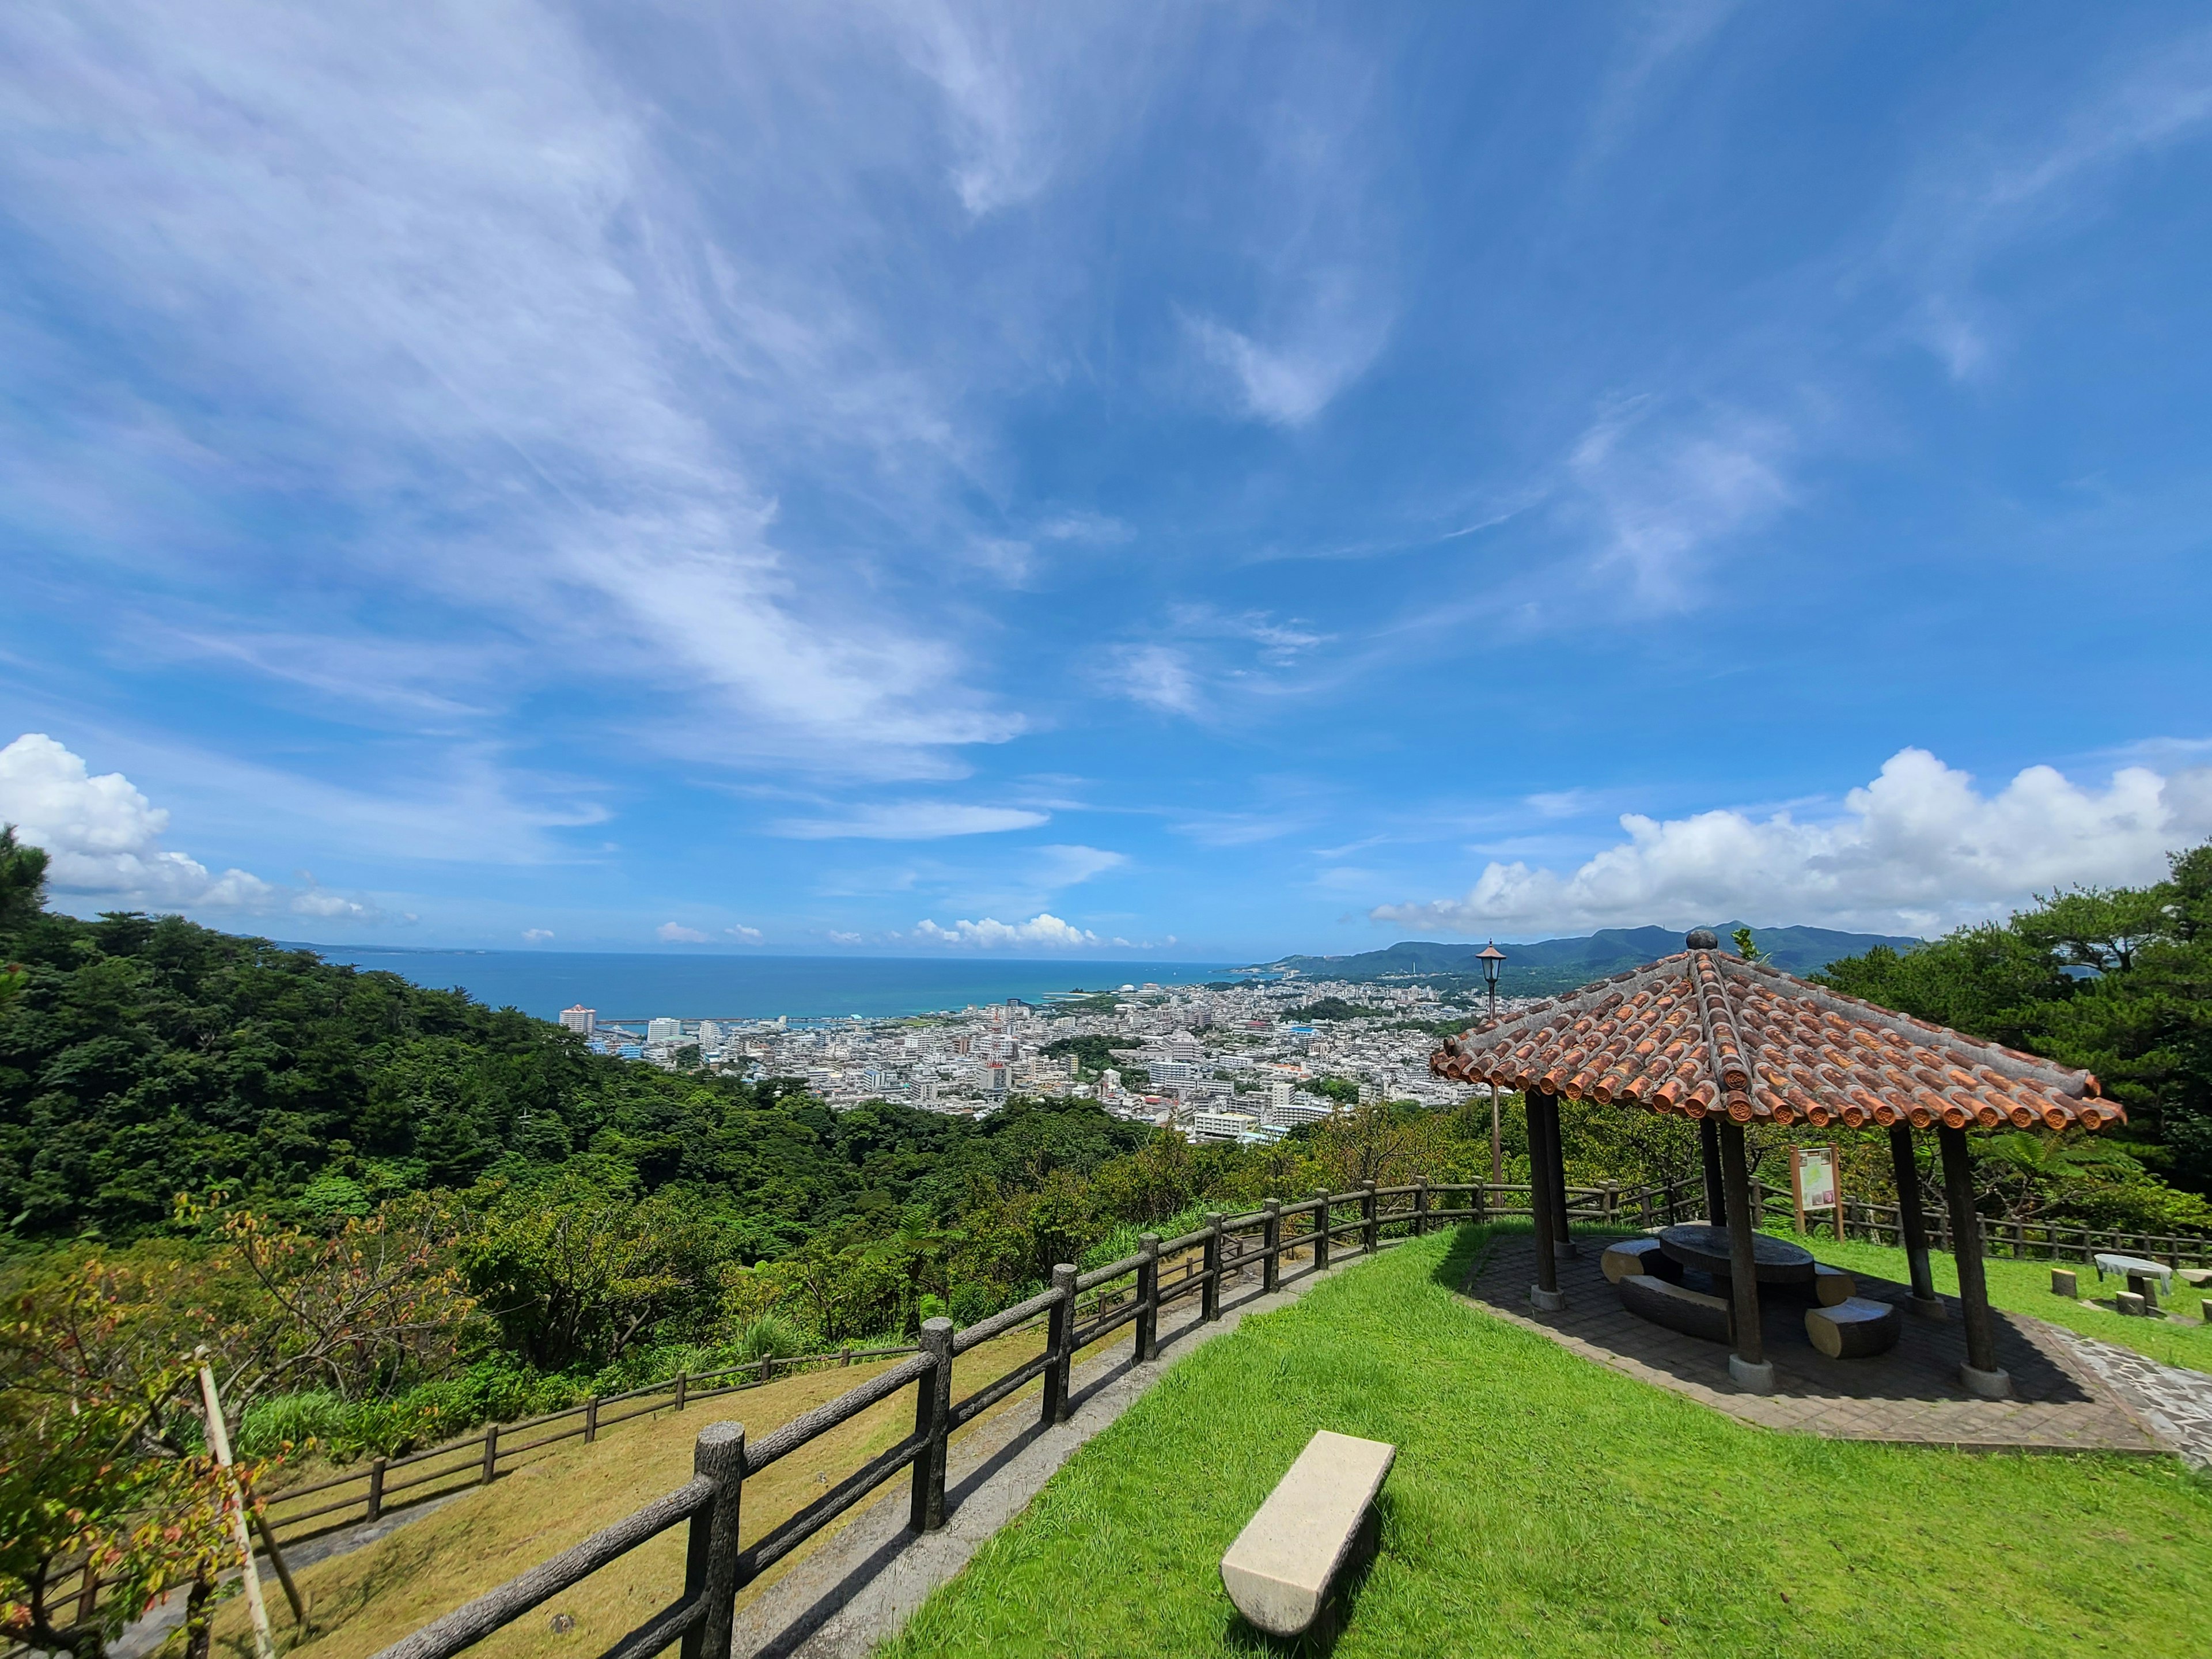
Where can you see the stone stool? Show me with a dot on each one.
(1854, 1329)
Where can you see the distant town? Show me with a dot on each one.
(1245, 1063)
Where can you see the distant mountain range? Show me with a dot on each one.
(1560, 964)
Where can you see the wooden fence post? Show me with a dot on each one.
(1148, 1296)
(376, 1489)
(1271, 1236)
(590, 1420)
(932, 1422)
(682, 1389)
(710, 1560)
(1209, 1294)
(491, 1453)
(1421, 1207)
(1370, 1236)
(1061, 1327)
(1320, 1229)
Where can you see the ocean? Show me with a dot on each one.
(642, 986)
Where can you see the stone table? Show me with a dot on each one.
(1707, 1248)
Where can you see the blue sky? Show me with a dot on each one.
(1214, 479)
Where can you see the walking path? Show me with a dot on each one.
(2175, 1404)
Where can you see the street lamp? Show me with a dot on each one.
(1492, 959)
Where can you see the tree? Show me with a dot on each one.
(1746, 947)
(22, 880)
(2117, 981)
(96, 1473)
(363, 1310)
(579, 1269)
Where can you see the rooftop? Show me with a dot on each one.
(1704, 1031)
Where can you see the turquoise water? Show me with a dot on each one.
(640, 986)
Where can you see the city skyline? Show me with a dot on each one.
(1178, 482)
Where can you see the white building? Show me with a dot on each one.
(662, 1031)
(1221, 1126)
(580, 1018)
(1289, 1114)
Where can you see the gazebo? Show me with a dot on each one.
(1706, 1035)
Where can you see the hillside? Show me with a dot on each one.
(1546, 966)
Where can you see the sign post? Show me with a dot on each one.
(1814, 1184)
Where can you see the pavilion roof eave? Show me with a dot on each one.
(1701, 1032)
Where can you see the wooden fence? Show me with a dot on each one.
(1080, 1309)
(2048, 1241)
(1131, 1292)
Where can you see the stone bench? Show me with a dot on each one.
(1833, 1287)
(1279, 1571)
(1678, 1308)
(1637, 1255)
(1855, 1328)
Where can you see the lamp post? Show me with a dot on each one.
(1492, 959)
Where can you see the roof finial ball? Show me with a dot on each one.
(1703, 938)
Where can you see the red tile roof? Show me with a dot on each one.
(1704, 1031)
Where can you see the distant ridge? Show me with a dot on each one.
(1560, 964)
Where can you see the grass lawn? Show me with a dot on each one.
(1541, 1504)
(2025, 1287)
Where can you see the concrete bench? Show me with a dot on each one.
(1854, 1329)
(1637, 1255)
(1280, 1569)
(1678, 1308)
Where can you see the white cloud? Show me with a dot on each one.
(917, 820)
(326, 906)
(1917, 850)
(1158, 676)
(744, 935)
(1289, 382)
(1660, 490)
(675, 933)
(537, 935)
(102, 837)
(836, 937)
(1097, 529)
(1984, 195)
(386, 262)
(1065, 867)
(1043, 929)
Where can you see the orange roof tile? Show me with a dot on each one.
(1703, 1032)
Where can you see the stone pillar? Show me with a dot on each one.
(1912, 1225)
(1747, 1364)
(1981, 1373)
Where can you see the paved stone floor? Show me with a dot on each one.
(2176, 1403)
(1912, 1394)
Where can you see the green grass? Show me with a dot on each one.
(1543, 1504)
(2025, 1287)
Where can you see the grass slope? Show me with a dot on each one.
(2025, 1287)
(362, 1602)
(1543, 1504)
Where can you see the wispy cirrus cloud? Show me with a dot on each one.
(1660, 487)
(920, 820)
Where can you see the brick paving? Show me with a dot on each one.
(1910, 1394)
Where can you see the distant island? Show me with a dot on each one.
(1561, 964)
